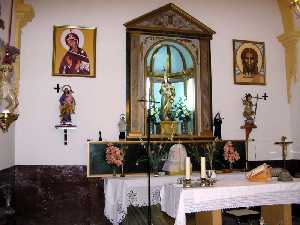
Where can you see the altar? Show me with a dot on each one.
(230, 191)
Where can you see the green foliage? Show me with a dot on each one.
(181, 110)
(157, 154)
(154, 113)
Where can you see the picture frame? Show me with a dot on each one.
(74, 51)
(249, 66)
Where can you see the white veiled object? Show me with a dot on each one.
(176, 159)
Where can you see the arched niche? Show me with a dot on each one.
(168, 37)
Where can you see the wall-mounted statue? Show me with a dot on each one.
(67, 105)
(249, 112)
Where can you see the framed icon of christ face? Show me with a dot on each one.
(249, 62)
(74, 51)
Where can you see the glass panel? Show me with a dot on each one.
(170, 62)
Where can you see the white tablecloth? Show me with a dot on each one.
(131, 190)
(229, 192)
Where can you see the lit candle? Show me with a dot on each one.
(203, 169)
(187, 168)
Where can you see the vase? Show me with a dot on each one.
(211, 174)
(152, 128)
(114, 171)
(185, 127)
(155, 170)
(230, 165)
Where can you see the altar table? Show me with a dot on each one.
(230, 191)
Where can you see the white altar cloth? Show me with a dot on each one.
(120, 193)
(229, 192)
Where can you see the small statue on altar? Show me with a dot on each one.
(122, 127)
(67, 105)
(218, 125)
(248, 113)
(168, 94)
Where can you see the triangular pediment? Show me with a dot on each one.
(169, 18)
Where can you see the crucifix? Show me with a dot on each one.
(284, 175)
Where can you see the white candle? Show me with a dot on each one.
(187, 168)
(203, 169)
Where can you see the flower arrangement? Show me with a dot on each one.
(211, 148)
(114, 156)
(156, 155)
(154, 114)
(230, 154)
(182, 113)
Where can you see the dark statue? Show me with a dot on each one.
(217, 125)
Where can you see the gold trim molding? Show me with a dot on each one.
(289, 40)
(24, 14)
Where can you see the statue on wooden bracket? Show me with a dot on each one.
(249, 112)
(66, 108)
(67, 105)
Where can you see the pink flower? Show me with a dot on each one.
(114, 156)
(230, 154)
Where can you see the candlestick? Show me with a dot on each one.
(203, 169)
(187, 168)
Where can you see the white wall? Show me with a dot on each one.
(100, 101)
(6, 139)
(7, 148)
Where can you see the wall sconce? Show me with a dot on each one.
(8, 94)
(295, 6)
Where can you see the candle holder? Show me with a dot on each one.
(187, 183)
(207, 182)
(203, 182)
(122, 171)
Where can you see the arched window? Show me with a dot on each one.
(181, 73)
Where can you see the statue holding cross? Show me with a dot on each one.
(249, 112)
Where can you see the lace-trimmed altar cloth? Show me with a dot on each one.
(120, 193)
(227, 193)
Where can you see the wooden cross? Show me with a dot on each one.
(57, 88)
(284, 145)
(265, 96)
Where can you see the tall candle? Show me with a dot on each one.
(203, 169)
(187, 168)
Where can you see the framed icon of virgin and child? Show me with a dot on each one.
(74, 51)
(249, 65)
